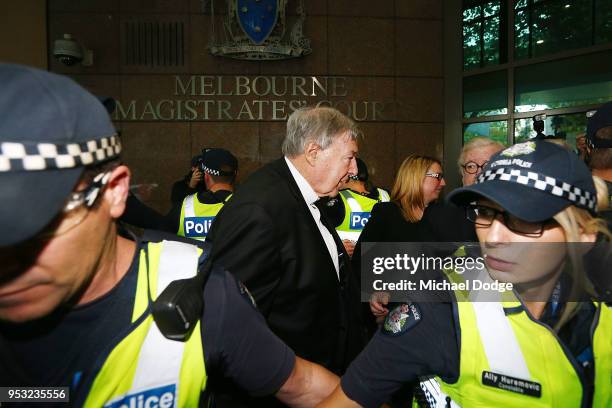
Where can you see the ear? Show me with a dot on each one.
(207, 180)
(311, 151)
(117, 190)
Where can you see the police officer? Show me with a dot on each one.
(198, 210)
(599, 145)
(532, 348)
(191, 183)
(80, 305)
(351, 211)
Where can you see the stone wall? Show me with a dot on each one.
(389, 52)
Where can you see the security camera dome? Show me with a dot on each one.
(67, 50)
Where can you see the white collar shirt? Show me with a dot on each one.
(310, 196)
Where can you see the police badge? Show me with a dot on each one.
(257, 30)
(401, 318)
(519, 149)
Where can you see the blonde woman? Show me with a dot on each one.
(548, 344)
(418, 182)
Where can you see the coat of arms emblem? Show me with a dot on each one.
(259, 30)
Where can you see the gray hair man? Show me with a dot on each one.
(272, 236)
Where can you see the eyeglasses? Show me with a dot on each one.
(432, 174)
(484, 216)
(473, 168)
(76, 208)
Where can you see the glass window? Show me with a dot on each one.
(491, 41)
(481, 33)
(472, 13)
(548, 26)
(497, 130)
(520, 4)
(582, 80)
(471, 45)
(603, 21)
(565, 127)
(522, 37)
(560, 25)
(485, 94)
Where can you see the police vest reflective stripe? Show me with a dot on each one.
(145, 368)
(196, 217)
(357, 210)
(507, 359)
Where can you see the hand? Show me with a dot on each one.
(581, 145)
(378, 300)
(349, 246)
(196, 177)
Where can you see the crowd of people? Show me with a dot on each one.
(250, 295)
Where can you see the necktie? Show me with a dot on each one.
(322, 204)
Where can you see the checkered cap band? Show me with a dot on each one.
(210, 171)
(16, 156)
(550, 185)
(214, 172)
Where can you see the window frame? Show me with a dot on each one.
(511, 64)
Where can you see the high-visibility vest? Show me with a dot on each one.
(507, 359)
(196, 217)
(357, 211)
(144, 368)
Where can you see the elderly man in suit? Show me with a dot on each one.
(272, 237)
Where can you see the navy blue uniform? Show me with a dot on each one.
(428, 344)
(58, 350)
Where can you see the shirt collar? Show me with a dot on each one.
(310, 196)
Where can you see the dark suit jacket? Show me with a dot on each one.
(266, 236)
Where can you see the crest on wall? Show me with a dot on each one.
(259, 30)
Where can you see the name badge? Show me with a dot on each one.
(197, 227)
(359, 220)
(162, 397)
(513, 384)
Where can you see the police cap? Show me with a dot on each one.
(533, 181)
(601, 119)
(50, 130)
(219, 162)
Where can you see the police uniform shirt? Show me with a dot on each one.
(335, 212)
(59, 350)
(429, 345)
(205, 197)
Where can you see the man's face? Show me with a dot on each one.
(40, 274)
(479, 156)
(333, 165)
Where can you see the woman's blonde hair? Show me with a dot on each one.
(407, 189)
(575, 222)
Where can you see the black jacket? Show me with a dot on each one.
(266, 236)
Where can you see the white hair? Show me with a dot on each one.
(477, 143)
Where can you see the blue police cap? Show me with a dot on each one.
(219, 162)
(601, 119)
(533, 181)
(50, 130)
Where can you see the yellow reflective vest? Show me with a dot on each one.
(196, 217)
(508, 359)
(145, 369)
(357, 210)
